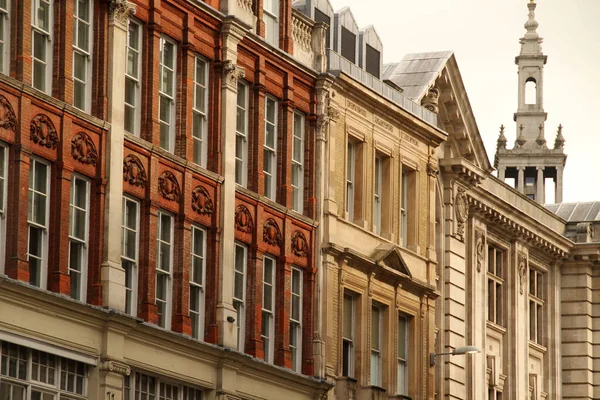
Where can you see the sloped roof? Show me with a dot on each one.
(416, 72)
(577, 212)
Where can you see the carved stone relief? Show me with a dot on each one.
(299, 244)
(133, 171)
(231, 74)
(479, 249)
(168, 187)
(431, 100)
(243, 219)
(116, 367)
(42, 132)
(8, 119)
(522, 263)
(83, 149)
(201, 201)
(272, 233)
(461, 209)
(121, 10)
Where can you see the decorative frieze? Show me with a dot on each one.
(272, 233)
(168, 187)
(201, 201)
(243, 219)
(134, 172)
(8, 119)
(83, 149)
(299, 244)
(383, 123)
(356, 108)
(42, 132)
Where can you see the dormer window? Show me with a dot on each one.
(348, 45)
(271, 20)
(373, 61)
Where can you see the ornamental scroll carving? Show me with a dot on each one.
(232, 73)
(133, 171)
(522, 263)
(243, 219)
(83, 149)
(201, 201)
(431, 100)
(168, 187)
(479, 249)
(42, 132)
(461, 209)
(299, 244)
(121, 10)
(116, 367)
(272, 233)
(8, 119)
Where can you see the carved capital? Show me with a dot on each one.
(121, 10)
(116, 367)
(232, 73)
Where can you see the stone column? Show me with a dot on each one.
(540, 186)
(501, 173)
(521, 179)
(112, 276)
(232, 33)
(558, 191)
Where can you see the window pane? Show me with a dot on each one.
(375, 328)
(348, 317)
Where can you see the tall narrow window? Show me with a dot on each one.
(376, 332)
(239, 292)
(404, 209)
(268, 308)
(270, 147)
(348, 45)
(37, 221)
(166, 114)
(164, 269)
(41, 44)
(296, 320)
(536, 305)
(298, 163)
(348, 336)
(200, 124)
(78, 236)
(271, 20)
(197, 268)
(4, 36)
(530, 91)
(133, 76)
(402, 380)
(241, 137)
(377, 194)
(495, 282)
(129, 252)
(3, 189)
(350, 179)
(82, 54)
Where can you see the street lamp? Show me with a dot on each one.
(456, 352)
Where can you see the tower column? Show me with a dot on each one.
(540, 186)
(501, 173)
(521, 179)
(558, 191)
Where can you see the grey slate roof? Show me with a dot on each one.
(416, 72)
(577, 212)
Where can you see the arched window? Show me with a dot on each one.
(530, 91)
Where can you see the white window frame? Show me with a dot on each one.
(271, 12)
(348, 341)
(268, 310)
(43, 227)
(376, 347)
(5, 39)
(350, 178)
(85, 54)
(197, 283)
(495, 289)
(134, 78)
(157, 388)
(130, 264)
(404, 208)
(377, 194)
(403, 372)
(168, 274)
(296, 320)
(241, 150)
(3, 200)
(47, 36)
(270, 152)
(298, 163)
(78, 273)
(239, 303)
(537, 280)
(167, 143)
(200, 112)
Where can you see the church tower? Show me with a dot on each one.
(531, 162)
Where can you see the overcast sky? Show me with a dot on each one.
(484, 36)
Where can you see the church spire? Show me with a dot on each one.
(531, 43)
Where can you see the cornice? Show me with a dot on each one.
(463, 171)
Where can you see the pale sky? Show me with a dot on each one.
(484, 36)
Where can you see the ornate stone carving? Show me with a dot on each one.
(83, 149)
(243, 219)
(358, 109)
(168, 187)
(559, 142)
(432, 167)
(121, 10)
(271, 233)
(42, 132)
(501, 142)
(133, 171)
(431, 100)
(8, 119)
(116, 367)
(461, 209)
(201, 201)
(231, 73)
(301, 33)
(383, 123)
(299, 244)
(479, 249)
(245, 5)
(522, 264)
(520, 139)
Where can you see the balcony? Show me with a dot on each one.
(308, 37)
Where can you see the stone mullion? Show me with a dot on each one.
(62, 70)
(58, 232)
(254, 292)
(283, 278)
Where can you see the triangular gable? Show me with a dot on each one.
(434, 81)
(390, 256)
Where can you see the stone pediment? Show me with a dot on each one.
(390, 256)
